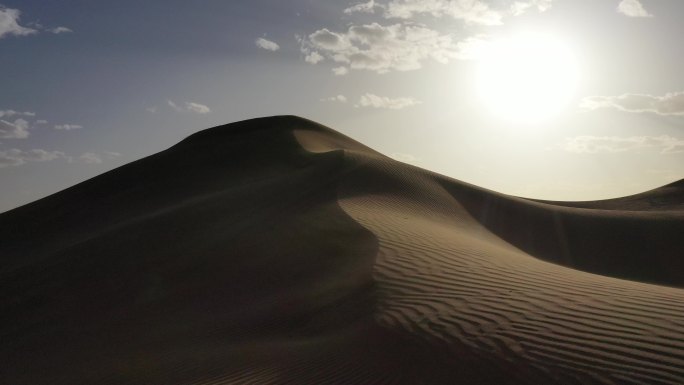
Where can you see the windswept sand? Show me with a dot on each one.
(277, 251)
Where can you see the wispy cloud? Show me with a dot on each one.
(375, 101)
(9, 23)
(68, 127)
(382, 49)
(633, 8)
(587, 144)
(340, 71)
(469, 11)
(17, 157)
(668, 104)
(188, 107)
(313, 57)
(91, 158)
(370, 100)
(96, 158)
(405, 45)
(266, 44)
(338, 98)
(14, 130)
(60, 29)
(197, 108)
(9, 113)
(520, 7)
(175, 106)
(367, 7)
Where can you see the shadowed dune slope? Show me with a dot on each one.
(278, 251)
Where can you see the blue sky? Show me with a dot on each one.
(91, 85)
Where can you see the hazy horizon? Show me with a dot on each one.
(550, 99)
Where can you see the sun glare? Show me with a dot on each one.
(527, 78)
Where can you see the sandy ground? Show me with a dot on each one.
(277, 251)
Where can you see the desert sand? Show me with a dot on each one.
(278, 251)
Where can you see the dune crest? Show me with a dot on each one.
(277, 250)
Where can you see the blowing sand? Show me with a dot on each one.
(277, 251)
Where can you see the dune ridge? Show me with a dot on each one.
(278, 251)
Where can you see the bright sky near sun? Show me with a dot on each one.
(526, 78)
(552, 99)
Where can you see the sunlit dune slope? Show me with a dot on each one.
(277, 251)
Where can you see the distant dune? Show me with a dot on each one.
(278, 251)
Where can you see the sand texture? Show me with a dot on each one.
(278, 251)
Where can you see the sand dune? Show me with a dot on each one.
(277, 251)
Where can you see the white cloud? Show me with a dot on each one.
(633, 8)
(189, 107)
(375, 101)
(41, 121)
(587, 144)
(8, 113)
(197, 108)
(340, 71)
(9, 158)
(16, 130)
(471, 48)
(520, 7)
(112, 155)
(95, 158)
(338, 98)
(368, 7)
(151, 110)
(9, 23)
(16, 157)
(668, 104)
(174, 106)
(313, 57)
(469, 11)
(379, 48)
(68, 127)
(266, 44)
(327, 40)
(90, 158)
(60, 29)
(41, 155)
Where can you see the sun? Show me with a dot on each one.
(527, 78)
